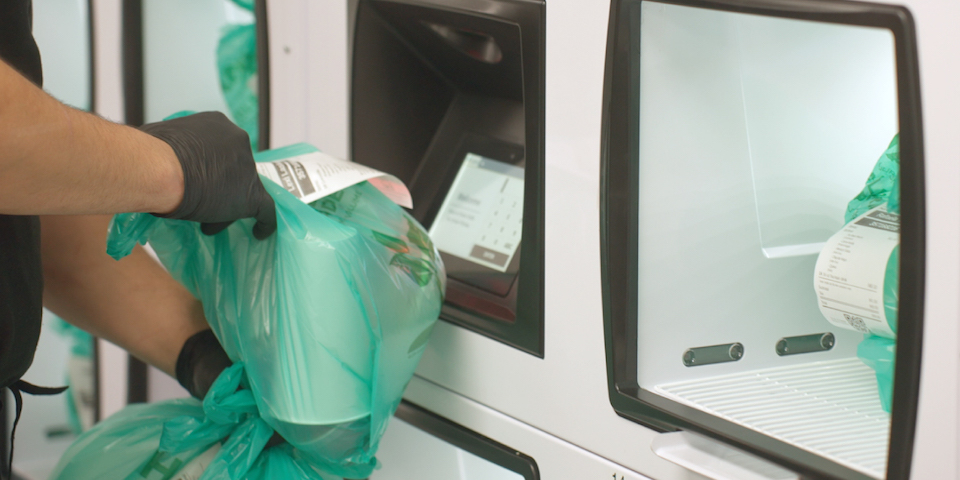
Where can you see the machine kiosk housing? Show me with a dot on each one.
(449, 98)
(735, 134)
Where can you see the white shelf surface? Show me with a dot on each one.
(829, 408)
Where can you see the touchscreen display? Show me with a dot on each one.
(481, 218)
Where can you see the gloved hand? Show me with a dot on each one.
(220, 181)
(200, 362)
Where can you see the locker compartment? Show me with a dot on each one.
(448, 97)
(737, 136)
(188, 55)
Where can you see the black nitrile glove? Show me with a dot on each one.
(220, 181)
(200, 362)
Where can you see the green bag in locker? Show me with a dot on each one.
(875, 213)
(330, 315)
(237, 68)
(237, 65)
(880, 353)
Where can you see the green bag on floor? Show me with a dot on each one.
(330, 315)
(222, 438)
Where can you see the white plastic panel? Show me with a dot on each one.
(180, 39)
(936, 447)
(754, 133)
(310, 74)
(408, 452)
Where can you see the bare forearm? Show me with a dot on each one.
(58, 160)
(133, 303)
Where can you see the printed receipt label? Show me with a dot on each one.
(850, 272)
(315, 175)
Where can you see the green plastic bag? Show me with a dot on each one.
(222, 438)
(883, 186)
(880, 353)
(330, 315)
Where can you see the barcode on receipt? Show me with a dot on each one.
(856, 322)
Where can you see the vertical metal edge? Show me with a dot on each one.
(92, 32)
(136, 381)
(530, 306)
(133, 113)
(97, 412)
(263, 74)
(4, 438)
(132, 62)
(907, 369)
(91, 38)
(541, 139)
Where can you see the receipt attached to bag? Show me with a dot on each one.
(315, 175)
(851, 270)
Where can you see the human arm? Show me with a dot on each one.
(133, 302)
(58, 160)
(55, 160)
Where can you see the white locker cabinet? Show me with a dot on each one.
(568, 391)
(735, 134)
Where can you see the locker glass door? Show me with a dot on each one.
(192, 56)
(763, 180)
